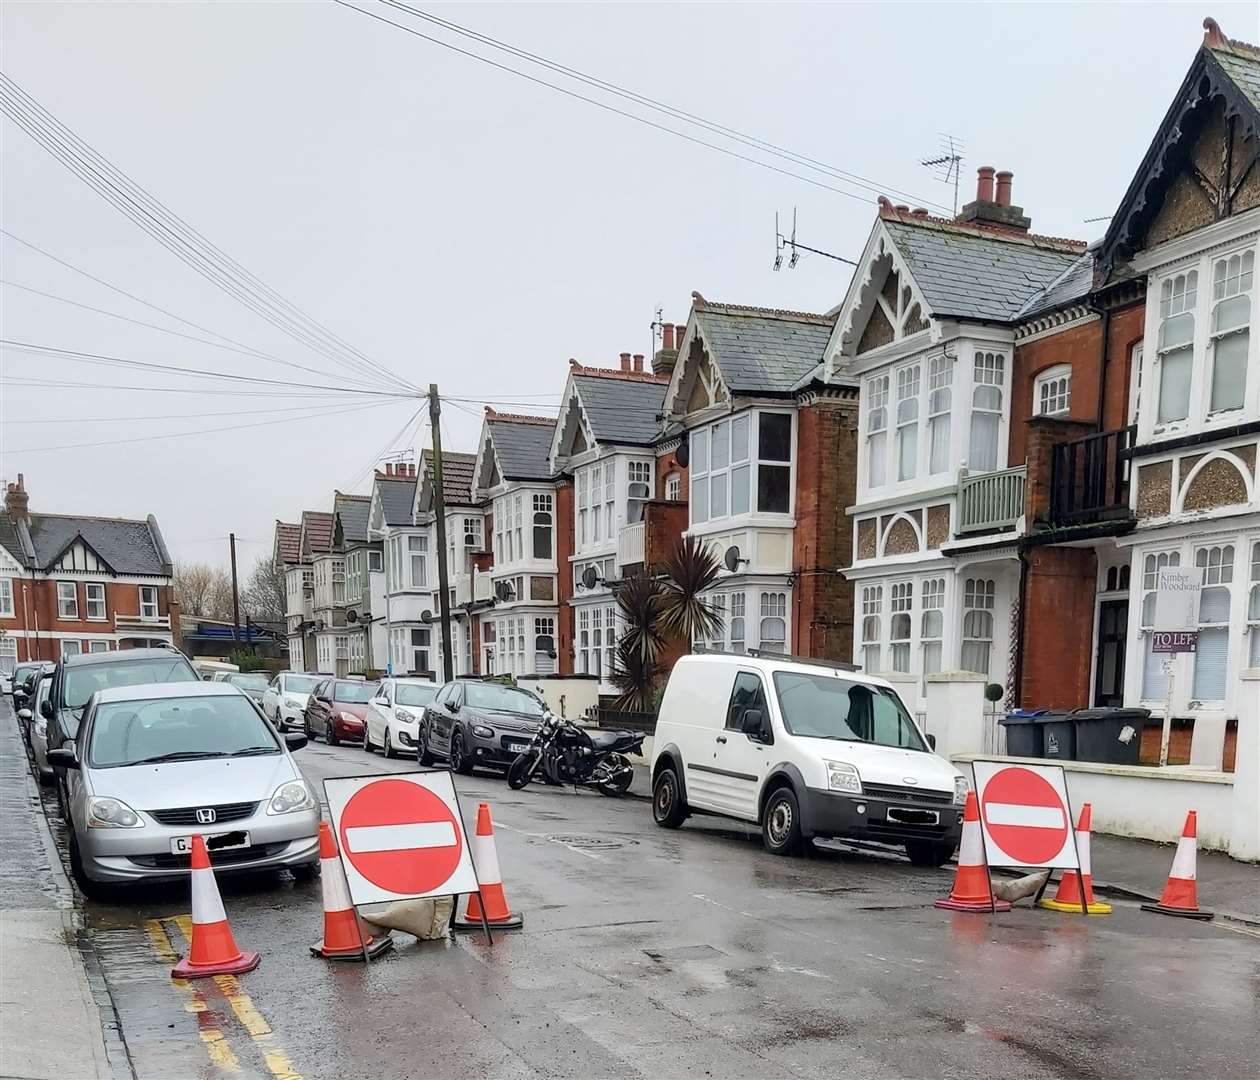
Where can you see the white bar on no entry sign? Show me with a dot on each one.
(418, 834)
(1035, 817)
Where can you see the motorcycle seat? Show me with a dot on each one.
(606, 740)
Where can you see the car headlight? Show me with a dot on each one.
(843, 777)
(483, 732)
(349, 718)
(404, 715)
(292, 702)
(961, 786)
(290, 797)
(111, 814)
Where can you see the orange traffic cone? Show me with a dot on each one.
(971, 884)
(213, 950)
(345, 937)
(1180, 894)
(489, 878)
(1068, 898)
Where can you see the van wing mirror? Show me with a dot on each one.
(754, 721)
(46, 709)
(931, 740)
(63, 757)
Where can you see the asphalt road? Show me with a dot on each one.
(684, 954)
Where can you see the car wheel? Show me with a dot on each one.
(932, 853)
(423, 754)
(781, 823)
(306, 872)
(390, 752)
(306, 730)
(93, 890)
(460, 762)
(330, 735)
(367, 739)
(669, 808)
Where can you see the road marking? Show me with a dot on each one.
(1033, 817)
(362, 839)
(251, 1019)
(217, 1047)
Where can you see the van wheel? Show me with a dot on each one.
(668, 806)
(932, 853)
(781, 823)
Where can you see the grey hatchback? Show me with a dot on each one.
(472, 723)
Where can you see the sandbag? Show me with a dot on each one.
(428, 920)
(1017, 888)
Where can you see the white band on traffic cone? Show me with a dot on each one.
(207, 906)
(486, 860)
(336, 888)
(971, 846)
(1183, 866)
(1082, 848)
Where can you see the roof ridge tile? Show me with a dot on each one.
(983, 232)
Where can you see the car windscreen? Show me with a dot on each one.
(177, 729)
(83, 682)
(482, 695)
(355, 693)
(824, 707)
(299, 684)
(250, 682)
(411, 694)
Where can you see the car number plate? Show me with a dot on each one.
(518, 747)
(182, 845)
(906, 816)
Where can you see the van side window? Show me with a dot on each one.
(747, 693)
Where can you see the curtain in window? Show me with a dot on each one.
(983, 455)
(1211, 657)
(1229, 371)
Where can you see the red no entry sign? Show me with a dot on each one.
(1024, 815)
(400, 836)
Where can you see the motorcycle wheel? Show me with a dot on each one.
(522, 770)
(614, 789)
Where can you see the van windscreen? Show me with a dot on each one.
(824, 707)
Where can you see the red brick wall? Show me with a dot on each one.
(41, 606)
(1043, 434)
(663, 523)
(564, 590)
(1058, 620)
(826, 480)
(474, 631)
(666, 464)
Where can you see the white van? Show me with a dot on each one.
(805, 748)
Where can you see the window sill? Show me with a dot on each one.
(743, 521)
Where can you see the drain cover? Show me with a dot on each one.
(585, 842)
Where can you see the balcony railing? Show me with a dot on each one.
(1089, 478)
(482, 587)
(630, 545)
(142, 622)
(991, 502)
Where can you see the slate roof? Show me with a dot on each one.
(971, 272)
(318, 527)
(621, 407)
(457, 475)
(1241, 62)
(761, 350)
(522, 444)
(1073, 284)
(128, 547)
(289, 541)
(397, 497)
(353, 512)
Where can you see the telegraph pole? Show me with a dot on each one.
(236, 599)
(439, 510)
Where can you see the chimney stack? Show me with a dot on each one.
(664, 359)
(625, 361)
(17, 501)
(991, 209)
(638, 362)
(667, 335)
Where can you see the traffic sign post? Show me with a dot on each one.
(1025, 816)
(401, 837)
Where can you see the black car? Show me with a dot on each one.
(471, 723)
(25, 678)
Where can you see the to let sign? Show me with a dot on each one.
(1181, 641)
(1177, 591)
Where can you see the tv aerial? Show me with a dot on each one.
(948, 163)
(791, 244)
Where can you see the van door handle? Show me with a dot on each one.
(721, 738)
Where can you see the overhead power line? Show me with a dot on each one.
(23, 382)
(179, 238)
(150, 417)
(656, 105)
(861, 197)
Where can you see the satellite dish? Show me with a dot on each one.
(683, 454)
(352, 616)
(731, 559)
(590, 577)
(503, 590)
(426, 616)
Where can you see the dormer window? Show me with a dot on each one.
(1177, 299)
(1052, 391)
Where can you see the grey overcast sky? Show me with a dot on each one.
(463, 226)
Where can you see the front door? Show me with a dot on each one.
(1113, 625)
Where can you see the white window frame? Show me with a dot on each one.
(707, 466)
(1253, 608)
(639, 477)
(931, 627)
(909, 389)
(988, 373)
(1217, 561)
(8, 655)
(1233, 278)
(375, 561)
(773, 608)
(979, 599)
(67, 604)
(94, 595)
(900, 626)
(871, 629)
(418, 548)
(1152, 563)
(673, 487)
(876, 394)
(1052, 391)
(98, 646)
(71, 647)
(940, 404)
(7, 610)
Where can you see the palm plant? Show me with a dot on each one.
(692, 569)
(639, 598)
(635, 677)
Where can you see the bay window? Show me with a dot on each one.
(638, 490)
(932, 626)
(610, 641)
(977, 626)
(1253, 609)
(907, 422)
(901, 600)
(727, 480)
(988, 379)
(877, 431)
(1231, 329)
(542, 526)
(610, 500)
(872, 609)
(735, 625)
(544, 645)
(1154, 681)
(583, 499)
(1211, 657)
(773, 628)
(940, 403)
(518, 526)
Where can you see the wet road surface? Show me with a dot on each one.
(682, 954)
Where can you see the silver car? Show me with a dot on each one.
(156, 763)
(37, 725)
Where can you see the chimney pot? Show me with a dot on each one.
(638, 362)
(1004, 187)
(902, 208)
(667, 335)
(984, 183)
(919, 212)
(625, 361)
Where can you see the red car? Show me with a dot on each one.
(337, 708)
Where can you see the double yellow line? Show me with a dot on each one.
(215, 1041)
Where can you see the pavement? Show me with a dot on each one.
(691, 953)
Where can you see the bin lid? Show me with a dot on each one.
(1116, 712)
(1021, 716)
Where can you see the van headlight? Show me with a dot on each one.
(291, 797)
(843, 777)
(961, 786)
(111, 814)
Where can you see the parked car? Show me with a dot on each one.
(253, 683)
(392, 722)
(77, 678)
(24, 680)
(805, 748)
(37, 727)
(154, 764)
(336, 709)
(471, 723)
(286, 698)
(208, 669)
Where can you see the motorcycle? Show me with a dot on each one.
(563, 753)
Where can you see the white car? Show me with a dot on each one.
(393, 716)
(805, 748)
(284, 703)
